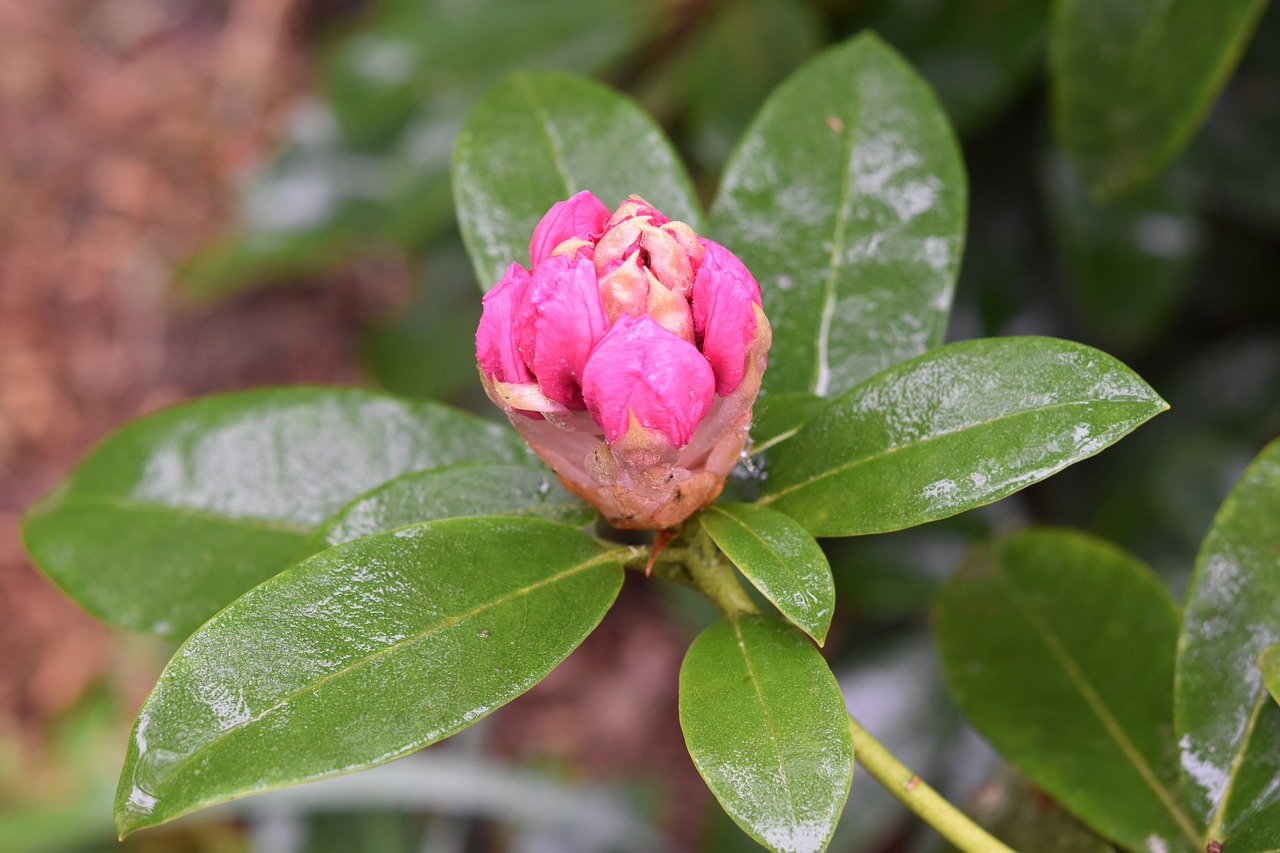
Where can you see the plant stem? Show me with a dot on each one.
(703, 566)
(715, 577)
(915, 794)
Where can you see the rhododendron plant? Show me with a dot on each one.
(357, 576)
(628, 356)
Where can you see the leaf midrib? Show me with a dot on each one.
(404, 642)
(1087, 691)
(889, 451)
(822, 356)
(768, 720)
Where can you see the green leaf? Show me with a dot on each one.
(766, 725)
(846, 199)
(956, 428)
(359, 655)
(539, 137)
(452, 491)
(1228, 727)
(1059, 648)
(780, 559)
(1132, 80)
(172, 517)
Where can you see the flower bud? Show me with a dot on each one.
(628, 356)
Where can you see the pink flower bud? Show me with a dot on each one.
(629, 357)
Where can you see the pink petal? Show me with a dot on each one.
(582, 216)
(723, 321)
(496, 343)
(560, 321)
(640, 368)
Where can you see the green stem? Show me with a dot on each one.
(703, 566)
(915, 794)
(716, 578)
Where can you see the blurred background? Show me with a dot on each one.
(203, 195)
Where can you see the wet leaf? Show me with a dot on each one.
(1131, 80)
(539, 137)
(846, 199)
(962, 426)
(1228, 726)
(780, 559)
(453, 491)
(766, 725)
(360, 655)
(1059, 648)
(175, 515)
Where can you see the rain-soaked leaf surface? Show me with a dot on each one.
(1131, 80)
(961, 426)
(1228, 725)
(172, 517)
(360, 655)
(452, 491)
(779, 558)
(846, 199)
(539, 137)
(766, 726)
(1059, 648)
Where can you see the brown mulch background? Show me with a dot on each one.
(125, 126)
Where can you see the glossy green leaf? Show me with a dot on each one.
(961, 426)
(539, 137)
(362, 654)
(1228, 726)
(174, 516)
(780, 559)
(1131, 80)
(977, 56)
(766, 725)
(1059, 648)
(453, 491)
(846, 199)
